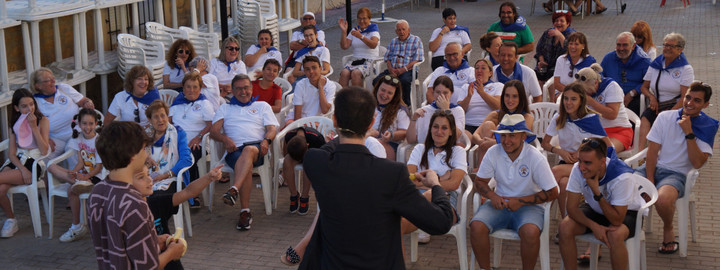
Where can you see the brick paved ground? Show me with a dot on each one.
(217, 245)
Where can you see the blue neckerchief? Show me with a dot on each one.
(459, 28)
(678, 62)
(437, 108)
(371, 28)
(39, 95)
(590, 124)
(187, 65)
(235, 101)
(615, 168)
(517, 74)
(304, 51)
(568, 31)
(519, 126)
(703, 126)
(148, 98)
(180, 99)
(269, 49)
(492, 60)
(636, 55)
(518, 25)
(463, 65)
(586, 62)
(381, 106)
(602, 86)
(229, 63)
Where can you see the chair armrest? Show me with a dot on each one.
(633, 161)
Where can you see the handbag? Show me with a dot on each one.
(665, 105)
(358, 62)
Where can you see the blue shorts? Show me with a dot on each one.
(232, 158)
(452, 195)
(665, 177)
(497, 219)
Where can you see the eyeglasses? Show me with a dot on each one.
(581, 78)
(181, 51)
(623, 75)
(672, 46)
(241, 88)
(137, 115)
(308, 19)
(392, 79)
(593, 143)
(506, 12)
(232, 48)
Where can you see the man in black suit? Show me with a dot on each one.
(363, 197)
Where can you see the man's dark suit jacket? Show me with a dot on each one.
(362, 199)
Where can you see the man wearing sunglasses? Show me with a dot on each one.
(611, 203)
(402, 54)
(627, 65)
(298, 41)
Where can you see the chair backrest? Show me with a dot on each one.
(644, 187)
(251, 20)
(168, 96)
(546, 94)
(165, 35)
(134, 51)
(267, 6)
(635, 120)
(206, 44)
(543, 113)
(284, 84)
(322, 124)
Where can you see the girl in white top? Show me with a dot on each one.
(449, 32)
(643, 38)
(420, 120)
(177, 63)
(257, 54)
(227, 65)
(130, 104)
(364, 40)
(482, 96)
(391, 117)
(573, 122)
(606, 97)
(86, 173)
(27, 142)
(567, 65)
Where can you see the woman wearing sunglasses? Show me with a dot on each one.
(227, 65)
(605, 96)
(130, 104)
(552, 44)
(177, 63)
(577, 57)
(391, 115)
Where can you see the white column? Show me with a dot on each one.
(209, 16)
(35, 43)
(202, 12)
(193, 15)
(159, 12)
(99, 38)
(29, 67)
(173, 10)
(3, 62)
(56, 38)
(135, 19)
(83, 39)
(123, 20)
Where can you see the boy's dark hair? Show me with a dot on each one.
(354, 111)
(311, 58)
(702, 87)
(448, 12)
(271, 61)
(119, 141)
(296, 148)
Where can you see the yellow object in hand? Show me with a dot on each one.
(412, 177)
(178, 236)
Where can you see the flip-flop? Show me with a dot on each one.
(291, 258)
(601, 11)
(622, 8)
(584, 259)
(663, 249)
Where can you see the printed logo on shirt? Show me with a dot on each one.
(524, 171)
(271, 54)
(600, 98)
(252, 111)
(62, 100)
(461, 76)
(196, 107)
(676, 74)
(144, 107)
(506, 35)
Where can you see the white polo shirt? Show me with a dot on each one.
(191, 117)
(212, 91)
(459, 36)
(220, 70)
(621, 191)
(423, 123)
(322, 53)
(246, 124)
(61, 111)
(299, 35)
(670, 81)
(478, 109)
(527, 175)
(459, 79)
(613, 94)
(123, 107)
(570, 136)
(402, 121)
(276, 54)
(176, 75)
(307, 95)
(437, 163)
(673, 147)
(360, 50)
(529, 80)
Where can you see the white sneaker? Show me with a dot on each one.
(423, 238)
(81, 187)
(73, 235)
(9, 228)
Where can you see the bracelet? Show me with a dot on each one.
(392, 135)
(552, 149)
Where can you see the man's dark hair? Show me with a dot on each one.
(354, 111)
(266, 31)
(272, 61)
(311, 58)
(597, 145)
(448, 12)
(702, 87)
(512, 6)
(240, 77)
(119, 141)
(296, 148)
(510, 44)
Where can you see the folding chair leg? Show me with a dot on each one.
(414, 245)
(462, 250)
(693, 222)
(682, 207)
(51, 204)
(266, 188)
(35, 212)
(178, 219)
(497, 252)
(188, 221)
(44, 195)
(594, 252)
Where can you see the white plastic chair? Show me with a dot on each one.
(322, 124)
(163, 34)
(459, 230)
(542, 113)
(547, 93)
(216, 151)
(252, 18)
(685, 206)
(635, 245)
(636, 135)
(206, 44)
(415, 98)
(377, 66)
(168, 96)
(55, 188)
(31, 191)
(182, 218)
(286, 24)
(133, 51)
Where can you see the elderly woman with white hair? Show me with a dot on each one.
(605, 96)
(210, 86)
(666, 82)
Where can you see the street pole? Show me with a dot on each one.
(223, 19)
(348, 15)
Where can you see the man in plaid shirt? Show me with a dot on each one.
(403, 52)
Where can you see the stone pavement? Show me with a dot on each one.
(217, 245)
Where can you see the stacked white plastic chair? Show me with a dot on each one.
(206, 44)
(251, 19)
(163, 34)
(168, 96)
(286, 24)
(134, 51)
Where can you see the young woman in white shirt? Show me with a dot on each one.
(391, 115)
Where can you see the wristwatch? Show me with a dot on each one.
(690, 136)
(598, 197)
(633, 93)
(269, 141)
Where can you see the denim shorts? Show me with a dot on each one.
(497, 219)
(232, 158)
(452, 196)
(666, 177)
